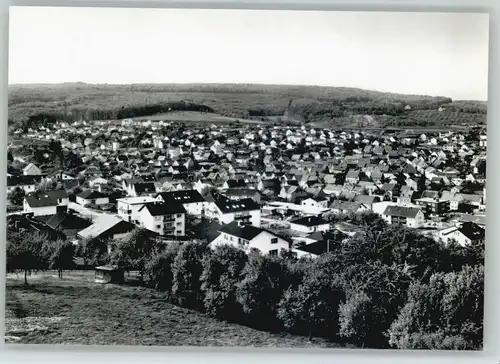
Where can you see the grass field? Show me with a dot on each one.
(75, 310)
(194, 116)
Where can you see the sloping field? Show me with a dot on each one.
(75, 310)
(194, 116)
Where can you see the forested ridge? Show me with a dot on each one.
(332, 106)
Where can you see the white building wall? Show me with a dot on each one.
(309, 229)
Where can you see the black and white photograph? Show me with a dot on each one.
(246, 178)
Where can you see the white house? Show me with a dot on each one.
(191, 200)
(46, 203)
(249, 237)
(31, 170)
(88, 197)
(226, 211)
(107, 227)
(410, 216)
(464, 234)
(315, 202)
(128, 207)
(163, 218)
(26, 183)
(309, 224)
(97, 181)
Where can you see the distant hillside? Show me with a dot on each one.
(307, 104)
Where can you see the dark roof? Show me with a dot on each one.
(58, 194)
(310, 221)
(91, 194)
(184, 196)
(23, 180)
(162, 208)
(472, 231)
(40, 200)
(401, 211)
(227, 206)
(65, 221)
(366, 199)
(241, 192)
(247, 232)
(232, 183)
(17, 222)
(144, 187)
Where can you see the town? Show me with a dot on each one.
(252, 186)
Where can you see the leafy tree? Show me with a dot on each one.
(445, 313)
(60, 255)
(17, 196)
(365, 319)
(93, 251)
(25, 252)
(221, 273)
(187, 268)
(158, 269)
(312, 307)
(134, 251)
(265, 278)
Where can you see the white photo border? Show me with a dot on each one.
(48, 354)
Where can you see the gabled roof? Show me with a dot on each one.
(309, 221)
(23, 180)
(65, 221)
(247, 232)
(144, 187)
(226, 205)
(106, 225)
(91, 194)
(401, 211)
(182, 197)
(472, 231)
(162, 208)
(45, 199)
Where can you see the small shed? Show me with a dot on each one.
(109, 274)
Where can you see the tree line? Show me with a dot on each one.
(389, 287)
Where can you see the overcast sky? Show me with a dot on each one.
(417, 53)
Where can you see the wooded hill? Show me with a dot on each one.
(327, 106)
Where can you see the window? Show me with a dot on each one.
(273, 252)
(231, 238)
(179, 223)
(158, 218)
(158, 226)
(179, 232)
(225, 237)
(274, 241)
(179, 215)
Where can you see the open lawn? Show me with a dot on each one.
(75, 310)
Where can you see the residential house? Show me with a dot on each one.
(45, 203)
(91, 197)
(68, 224)
(163, 218)
(410, 216)
(464, 234)
(26, 183)
(226, 211)
(309, 224)
(31, 170)
(106, 227)
(128, 207)
(191, 200)
(247, 237)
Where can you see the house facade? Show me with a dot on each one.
(163, 219)
(128, 207)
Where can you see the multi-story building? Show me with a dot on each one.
(163, 218)
(128, 207)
